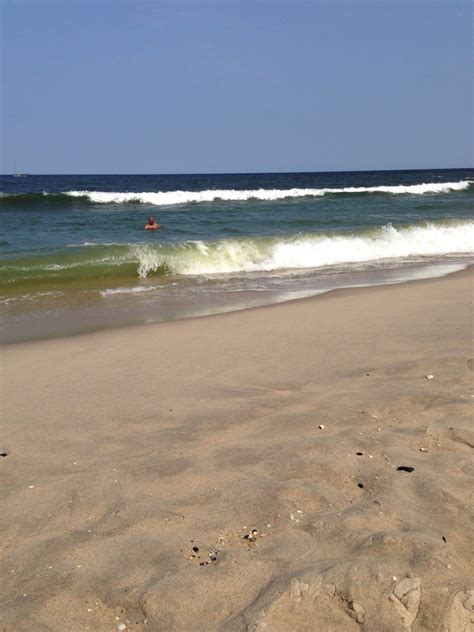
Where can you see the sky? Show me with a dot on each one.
(233, 86)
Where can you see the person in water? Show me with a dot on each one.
(152, 225)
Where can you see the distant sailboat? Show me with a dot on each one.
(15, 174)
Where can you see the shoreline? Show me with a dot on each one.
(98, 329)
(241, 471)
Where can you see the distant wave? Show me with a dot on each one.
(240, 255)
(165, 198)
(44, 198)
(169, 198)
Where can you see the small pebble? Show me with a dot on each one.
(423, 449)
(429, 377)
(405, 468)
(321, 426)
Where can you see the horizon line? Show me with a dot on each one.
(239, 173)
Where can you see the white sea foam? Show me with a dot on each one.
(29, 297)
(94, 243)
(129, 290)
(306, 252)
(166, 198)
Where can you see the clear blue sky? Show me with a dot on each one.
(181, 87)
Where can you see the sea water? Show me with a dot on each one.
(74, 255)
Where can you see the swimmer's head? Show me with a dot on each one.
(151, 220)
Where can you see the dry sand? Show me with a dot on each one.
(128, 448)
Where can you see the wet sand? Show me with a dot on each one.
(240, 472)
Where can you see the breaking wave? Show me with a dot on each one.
(230, 256)
(170, 198)
(166, 198)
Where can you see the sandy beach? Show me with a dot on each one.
(300, 467)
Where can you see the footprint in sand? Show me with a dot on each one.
(300, 604)
(460, 615)
(406, 597)
(470, 364)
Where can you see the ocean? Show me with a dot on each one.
(74, 255)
